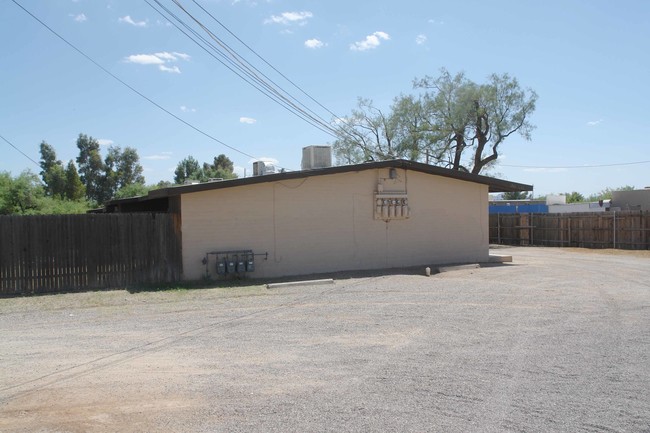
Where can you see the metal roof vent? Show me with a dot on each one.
(261, 168)
(316, 157)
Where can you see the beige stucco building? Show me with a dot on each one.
(378, 215)
(638, 199)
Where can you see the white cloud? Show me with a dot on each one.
(105, 142)
(160, 59)
(421, 39)
(240, 171)
(370, 42)
(165, 56)
(79, 18)
(247, 120)
(145, 59)
(288, 18)
(172, 70)
(594, 122)
(157, 157)
(127, 19)
(185, 109)
(432, 21)
(264, 159)
(182, 56)
(314, 44)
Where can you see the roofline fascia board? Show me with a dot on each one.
(494, 184)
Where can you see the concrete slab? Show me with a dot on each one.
(499, 258)
(458, 267)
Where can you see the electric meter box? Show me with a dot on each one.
(241, 266)
(250, 265)
(231, 266)
(221, 267)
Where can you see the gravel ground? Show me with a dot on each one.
(558, 340)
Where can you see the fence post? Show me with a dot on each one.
(532, 241)
(499, 228)
(614, 237)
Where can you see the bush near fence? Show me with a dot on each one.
(628, 230)
(59, 253)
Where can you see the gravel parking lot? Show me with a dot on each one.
(558, 340)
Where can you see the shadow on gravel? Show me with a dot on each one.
(239, 281)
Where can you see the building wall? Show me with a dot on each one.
(638, 199)
(327, 223)
(578, 207)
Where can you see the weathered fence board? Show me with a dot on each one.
(623, 230)
(54, 253)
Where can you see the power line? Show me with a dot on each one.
(277, 92)
(241, 69)
(23, 153)
(273, 90)
(263, 59)
(577, 166)
(115, 77)
(240, 58)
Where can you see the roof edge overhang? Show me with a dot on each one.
(494, 184)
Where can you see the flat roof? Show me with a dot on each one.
(494, 184)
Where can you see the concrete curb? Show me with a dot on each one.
(499, 258)
(300, 283)
(458, 268)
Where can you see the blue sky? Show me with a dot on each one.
(587, 60)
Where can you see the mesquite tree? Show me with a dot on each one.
(453, 122)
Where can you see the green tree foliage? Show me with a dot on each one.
(91, 168)
(574, 197)
(103, 178)
(133, 190)
(21, 195)
(25, 195)
(51, 206)
(453, 122)
(60, 183)
(221, 168)
(52, 172)
(515, 195)
(121, 169)
(190, 169)
(139, 189)
(6, 183)
(74, 188)
(366, 134)
(222, 162)
(162, 184)
(606, 194)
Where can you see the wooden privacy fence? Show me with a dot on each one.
(55, 253)
(628, 230)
